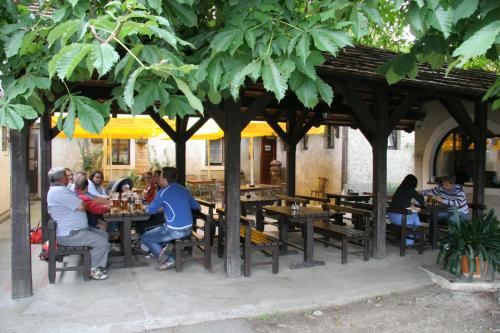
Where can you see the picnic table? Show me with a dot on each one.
(338, 197)
(258, 202)
(125, 219)
(306, 215)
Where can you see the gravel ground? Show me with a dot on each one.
(430, 309)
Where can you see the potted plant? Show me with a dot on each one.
(471, 243)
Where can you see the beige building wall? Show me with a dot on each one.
(5, 174)
(436, 125)
(400, 162)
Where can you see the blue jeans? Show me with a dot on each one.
(412, 221)
(155, 238)
(445, 216)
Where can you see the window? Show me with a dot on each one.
(393, 140)
(305, 142)
(121, 152)
(330, 135)
(455, 156)
(5, 138)
(216, 152)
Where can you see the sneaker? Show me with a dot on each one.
(165, 253)
(166, 265)
(103, 269)
(148, 255)
(97, 274)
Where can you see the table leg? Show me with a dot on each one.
(434, 226)
(126, 241)
(283, 226)
(259, 218)
(308, 248)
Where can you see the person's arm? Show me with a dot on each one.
(432, 191)
(195, 205)
(94, 207)
(459, 200)
(419, 198)
(155, 205)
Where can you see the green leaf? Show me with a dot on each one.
(156, 5)
(214, 73)
(69, 121)
(309, 68)
(478, 42)
(303, 47)
(239, 77)
(325, 91)
(223, 40)
(25, 111)
(415, 18)
(192, 99)
(214, 96)
(14, 43)
(330, 41)
(305, 89)
(463, 9)
(70, 58)
(73, 2)
(184, 14)
(27, 43)
(178, 106)
(104, 57)
(250, 38)
(90, 119)
(444, 19)
(273, 81)
(165, 35)
(373, 14)
(128, 93)
(10, 118)
(359, 23)
(65, 29)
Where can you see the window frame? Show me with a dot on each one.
(220, 153)
(395, 139)
(116, 150)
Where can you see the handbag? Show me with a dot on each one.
(36, 235)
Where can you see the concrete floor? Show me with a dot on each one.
(140, 298)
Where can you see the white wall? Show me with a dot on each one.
(400, 162)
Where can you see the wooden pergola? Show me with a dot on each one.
(362, 100)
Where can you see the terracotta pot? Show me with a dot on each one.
(465, 267)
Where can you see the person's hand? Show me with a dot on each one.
(102, 225)
(438, 199)
(415, 208)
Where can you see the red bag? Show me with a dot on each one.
(36, 235)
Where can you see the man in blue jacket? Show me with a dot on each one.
(177, 203)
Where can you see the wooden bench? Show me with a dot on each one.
(202, 242)
(288, 201)
(403, 231)
(61, 251)
(345, 233)
(252, 240)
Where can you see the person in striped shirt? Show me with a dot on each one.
(452, 195)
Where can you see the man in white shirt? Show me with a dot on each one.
(66, 208)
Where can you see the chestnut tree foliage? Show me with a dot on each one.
(171, 56)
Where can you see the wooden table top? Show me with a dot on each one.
(348, 196)
(301, 213)
(258, 198)
(259, 187)
(200, 181)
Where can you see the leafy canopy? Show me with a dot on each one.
(170, 56)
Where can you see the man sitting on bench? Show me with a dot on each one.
(68, 211)
(177, 203)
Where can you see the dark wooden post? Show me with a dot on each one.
(480, 118)
(232, 142)
(20, 214)
(379, 148)
(291, 152)
(180, 151)
(45, 142)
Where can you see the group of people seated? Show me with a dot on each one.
(77, 203)
(448, 194)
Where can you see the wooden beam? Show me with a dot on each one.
(45, 143)
(163, 125)
(232, 143)
(180, 148)
(291, 152)
(255, 108)
(401, 110)
(458, 112)
(216, 113)
(359, 110)
(302, 131)
(275, 126)
(479, 174)
(379, 149)
(22, 285)
(196, 126)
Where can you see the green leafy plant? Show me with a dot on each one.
(477, 238)
(90, 159)
(134, 177)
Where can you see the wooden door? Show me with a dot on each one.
(267, 154)
(33, 162)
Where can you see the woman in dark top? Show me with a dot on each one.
(404, 197)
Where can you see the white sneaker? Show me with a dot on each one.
(97, 274)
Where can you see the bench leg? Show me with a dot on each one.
(178, 257)
(345, 245)
(366, 243)
(208, 256)
(276, 259)
(402, 244)
(220, 241)
(52, 270)
(247, 260)
(420, 242)
(86, 266)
